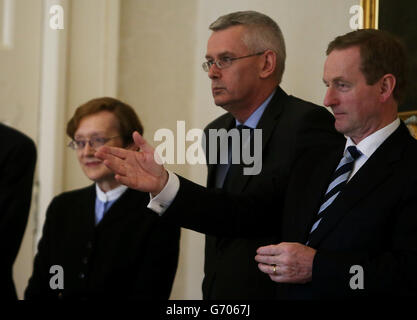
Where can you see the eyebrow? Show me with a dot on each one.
(340, 78)
(94, 134)
(222, 54)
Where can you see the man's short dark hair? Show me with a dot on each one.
(381, 53)
(262, 33)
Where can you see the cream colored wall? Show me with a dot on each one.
(156, 71)
(153, 63)
(91, 69)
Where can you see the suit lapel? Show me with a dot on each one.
(228, 124)
(373, 173)
(129, 201)
(267, 124)
(87, 206)
(270, 115)
(311, 188)
(119, 208)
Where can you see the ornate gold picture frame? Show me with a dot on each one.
(372, 10)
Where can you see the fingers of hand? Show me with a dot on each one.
(116, 165)
(124, 180)
(267, 259)
(273, 249)
(272, 270)
(141, 143)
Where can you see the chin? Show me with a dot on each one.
(94, 178)
(219, 102)
(94, 175)
(341, 127)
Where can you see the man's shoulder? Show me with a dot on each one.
(11, 133)
(17, 149)
(220, 122)
(297, 105)
(410, 144)
(293, 109)
(293, 113)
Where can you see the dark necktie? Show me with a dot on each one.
(235, 169)
(338, 181)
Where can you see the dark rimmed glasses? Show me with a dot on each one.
(225, 62)
(94, 142)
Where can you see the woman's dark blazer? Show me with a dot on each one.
(129, 254)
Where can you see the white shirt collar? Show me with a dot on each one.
(111, 195)
(372, 142)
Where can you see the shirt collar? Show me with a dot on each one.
(111, 195)
(252, 121)
(372, 142)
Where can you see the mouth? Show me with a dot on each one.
(92, 164)
(217, 90)
(338, 113)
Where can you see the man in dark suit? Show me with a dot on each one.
(245, 61)
(17, 166)
(101, 241)
(348, 226)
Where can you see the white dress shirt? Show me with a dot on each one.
(369, 145)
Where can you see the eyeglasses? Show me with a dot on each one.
(94, 142)
(225, 62)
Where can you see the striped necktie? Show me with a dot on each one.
(338, 181)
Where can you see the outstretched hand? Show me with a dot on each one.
(135, 169)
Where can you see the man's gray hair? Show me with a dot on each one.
(263, 33)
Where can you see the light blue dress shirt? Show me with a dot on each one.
(104, 200)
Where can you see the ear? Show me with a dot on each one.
(387, 85)
(268, 64)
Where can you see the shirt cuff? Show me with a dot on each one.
(163, 200)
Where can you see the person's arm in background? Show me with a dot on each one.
(17, 166)
(38, 286)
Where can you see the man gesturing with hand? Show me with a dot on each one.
(356, 208)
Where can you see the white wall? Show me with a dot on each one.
(156, 76)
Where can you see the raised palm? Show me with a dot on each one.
(135, 169)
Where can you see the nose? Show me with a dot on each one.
(88, 150)
(214, 72)
(330, 98)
